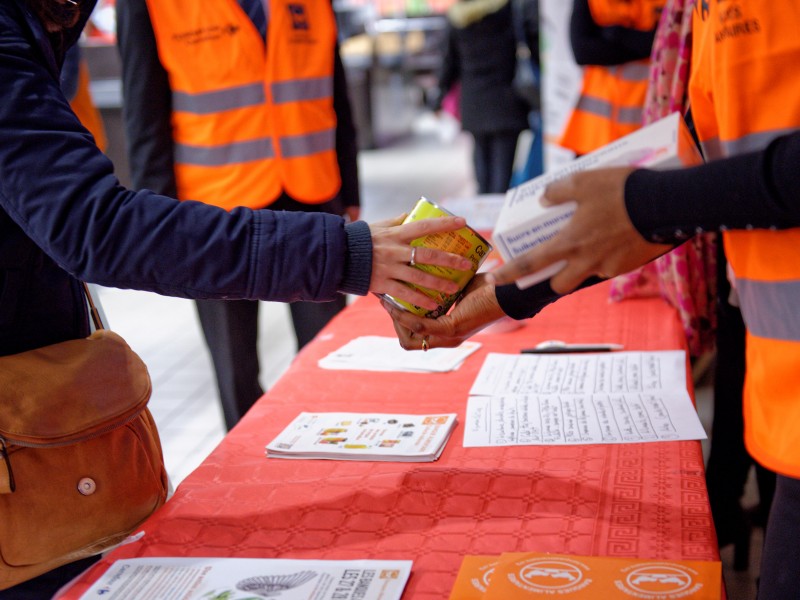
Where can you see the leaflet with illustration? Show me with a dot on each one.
(364, 436)
(582, 398)
(201, 578)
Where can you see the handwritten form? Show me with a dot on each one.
(602, 398)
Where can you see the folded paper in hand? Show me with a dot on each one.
(524, 223)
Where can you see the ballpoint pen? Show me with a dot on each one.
(559, 347)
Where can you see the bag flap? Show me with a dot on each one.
(71, 390)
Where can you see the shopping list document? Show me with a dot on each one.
(581, 398)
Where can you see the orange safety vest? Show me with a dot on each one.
(611, 100)
(250, 122)
(642, 15)
(609, 107)
(744, 92)
(84, 108)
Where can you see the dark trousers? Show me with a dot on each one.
(230, 328)
(493, 158)
(780, 559)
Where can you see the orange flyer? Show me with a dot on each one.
(475, 575)
(536, 575)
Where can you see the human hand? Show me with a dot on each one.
(599, 239)
(478, 308)
(392, 254)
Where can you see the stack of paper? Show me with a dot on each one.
(364, 436)
(601, 398)
(374, 353)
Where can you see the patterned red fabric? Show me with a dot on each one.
(633, 500)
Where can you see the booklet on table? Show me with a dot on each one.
(364, 436)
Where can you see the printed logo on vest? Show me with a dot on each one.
(702, 6)
(297, 12)
(733, 22)
(658, 581)
(206, 34)
(551, 575)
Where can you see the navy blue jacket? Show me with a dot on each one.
(64, 216)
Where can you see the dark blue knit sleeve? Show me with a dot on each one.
(756, 190)
(524, 304)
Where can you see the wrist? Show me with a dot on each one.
(358, 259)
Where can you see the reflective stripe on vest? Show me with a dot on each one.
(715, 148)
(609, 107)
(744, 93)
(603, 108)
(224, 154)
(219, 100)
(250, 122)
(633, 71)
(307, 89)
(778, 316)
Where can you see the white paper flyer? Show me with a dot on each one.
(376, 353)
(169, 578)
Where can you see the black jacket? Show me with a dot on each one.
(481, 54)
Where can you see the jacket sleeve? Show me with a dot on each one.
(758, 190)
(147, 105)
(70, 73)
(524, 304)
(61, 191)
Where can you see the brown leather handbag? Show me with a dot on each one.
(80, 457)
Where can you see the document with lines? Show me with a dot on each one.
(561, 399)
(226, 578)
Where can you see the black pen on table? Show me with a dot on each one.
(559, 347)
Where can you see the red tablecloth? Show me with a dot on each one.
(631, 500)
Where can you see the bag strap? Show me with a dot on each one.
(93, 312)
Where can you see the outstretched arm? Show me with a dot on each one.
(626, 218)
